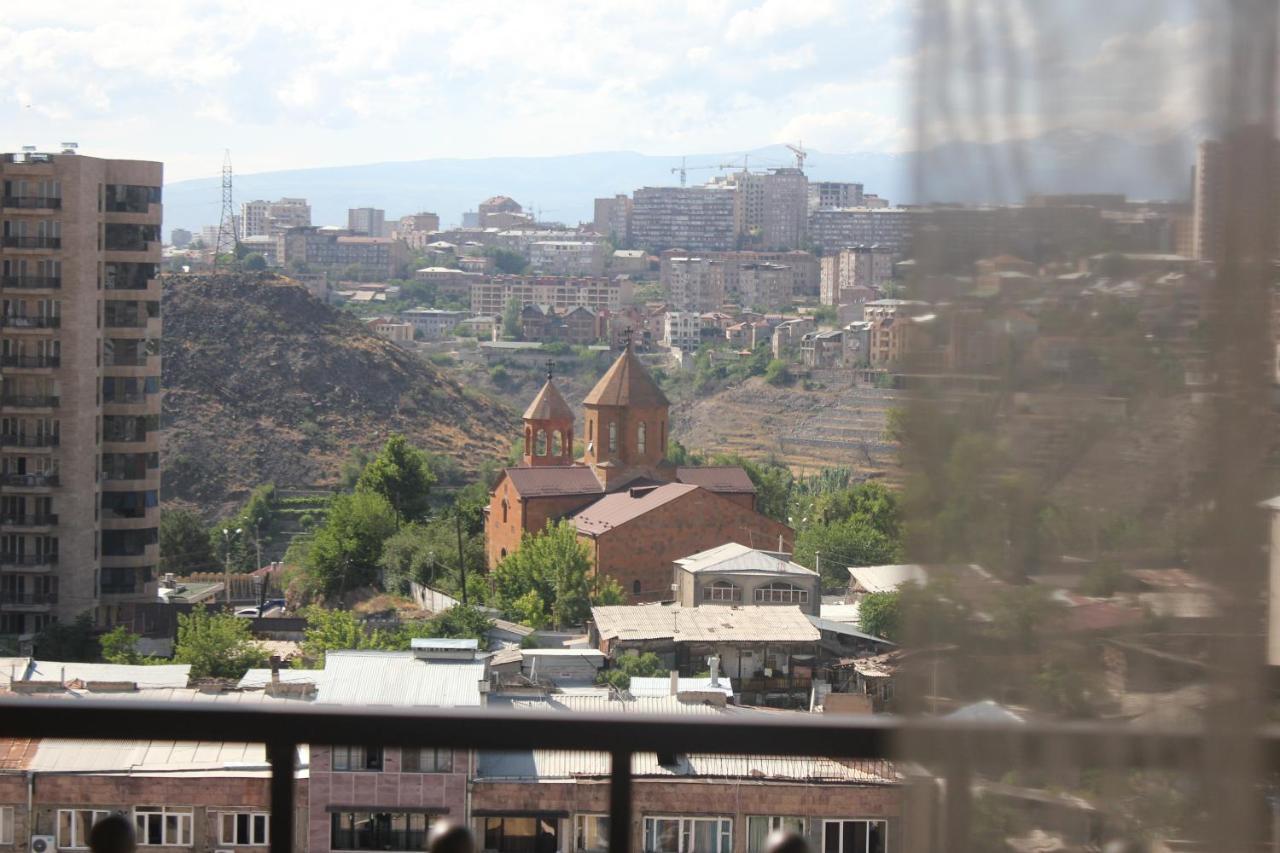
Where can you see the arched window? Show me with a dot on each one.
(540, 445)
(613, 436)
(635, 588)
(591, 433)
(780, 592)
(557, 443)
(504, 554)
(640, 442)
(722, 591)
(505, 506)
(528, 441)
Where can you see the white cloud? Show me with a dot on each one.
(792, 60)
(775, 16)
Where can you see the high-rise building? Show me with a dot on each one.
(1208, 195)
(366, 221)
(694, 218)
(80, 398)
(613, 218)
(690, 283)
(771, 209)
(854, 269)
(271, 218)
(835, 228)
(834, 194)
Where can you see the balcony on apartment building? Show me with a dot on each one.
(29, 401)
(13, 560)
(34, 600)
(12, 241)
(30, 282)
(30, 362)
(21, 439)
(31, 202)
(30, 481)
(28, 521)
(21, 321)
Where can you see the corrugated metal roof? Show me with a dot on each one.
(262, 677)
(709, 623)
(849, 613)
(887, 578)
(162, 675)
(845, 629)
(554, 480)
(642, 688)
(452, 643)
(736, 558)
(399, 679)
(620, 507)
(717, 478)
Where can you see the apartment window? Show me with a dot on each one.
(6, 824)
(721, 591)
(854, 836)
(426, 760)
(688, 835)
(245, 829)
(357, 758)
(781, 593)
(590, 833)
(759, 827)
(74, 826)
(379, 831)
(163, 826)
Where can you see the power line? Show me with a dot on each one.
(228, 240)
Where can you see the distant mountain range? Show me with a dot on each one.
(563, 187)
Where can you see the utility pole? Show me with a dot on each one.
(226, 565)
(462, 563)
(228, 241)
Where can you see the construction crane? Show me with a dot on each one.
(682, 169)
(801, 154)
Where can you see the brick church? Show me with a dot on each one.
(634, 510)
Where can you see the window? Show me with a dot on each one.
(854, 836)
(688, 835)
(540, 443)
(426, 760)
(379, 831)
(721, 591)
(590, 833)
(640, 442)
(613, 437)
(759, 827)
(163, 826)
(781, 593)
(74, 826)
(635, 587)
(244, 829)
(357, 758)
(557, 443)
(6, 824)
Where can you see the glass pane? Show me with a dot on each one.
(876, 836)
(757, 831)
(831, 837)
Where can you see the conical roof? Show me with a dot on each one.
(549, 405)
(626, 383)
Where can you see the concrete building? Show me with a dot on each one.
(694, 218)
(180, 238)
(851, 268)
(567, 257)
(452, 284)
(764, 286)
(367, 221)
(500, 212)
(733, 574)
(395, 331)
(613, 218)
(490, 296)
(771, 209)
(691, 283)
(337, 249)
(432, 324)
(823, 349)
(829, 194)
(682, 329)
(888, 227)
(80, 400)
(629, 261)
(271, 218)
(802, 266)
(787, 336)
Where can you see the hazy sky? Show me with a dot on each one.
(296, 84)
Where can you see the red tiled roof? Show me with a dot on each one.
(717, 478)
(554, 480)
(620, 507)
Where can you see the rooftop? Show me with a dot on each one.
(709, 623)
(620, 507)
(717, 478)
(554, 480)
(548, 405)
(739, 559)
(626, 383)
(399, 679)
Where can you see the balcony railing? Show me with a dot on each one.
(953, 749)
(29, 480)
(30, 360)
(12, 242)
(28, 401)
(126, 398)
(28, 560)
(12, 321)
(30, 282)
(372, 839)
(46, 520)
(28, 599)
(17, 439)
(33, 202)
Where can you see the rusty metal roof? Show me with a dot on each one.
(547, 480)
(717, 478)
(620, 507)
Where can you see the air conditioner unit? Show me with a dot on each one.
(43, 844)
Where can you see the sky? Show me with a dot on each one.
(297, 84)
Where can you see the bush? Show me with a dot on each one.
(498, 375)
(777, 373)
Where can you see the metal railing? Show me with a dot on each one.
(18, 439)
(30, 560)
(956, 749)
(30, 282)
(30, 480)
(12, 242)
(45, 520)
(32, 202)
(27, 401)
(28, 599)
(18, 322)
(30, 360)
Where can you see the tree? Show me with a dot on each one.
(255, 262)
(339, 630)
(547, 579)
(619, 675)
(880, 614)
(217, 645)
(777, 373)
(345, 551)
(184, 542)
(461, 620)
(401, 473)
(69, 641)
(507, 261)
(773, 482)
(511, 320)
(120, 645)
(850, 542)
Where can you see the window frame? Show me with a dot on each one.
(417, 765)
(251, 826)
(685, 835)
(184, 815)
(366, 756)
(580, 822)
(780, 592)
(867, 822)
(95, 815)
(8, 825)
(775, 822)
(715, 591)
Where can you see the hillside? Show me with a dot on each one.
(264, 383)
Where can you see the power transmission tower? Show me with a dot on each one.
(228, 240)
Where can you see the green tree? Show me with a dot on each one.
(120, 645)
(69, 641)
(777, 372)
(620, 673)
(461, 620)
(185, 545)
(345, 551)
(849, 542)
(772, 479)
(511, 320)
(255, 262)
(507, 261)
(401, 473)
(329, 630)
(217, 645)
(880, 614)
(547, 579)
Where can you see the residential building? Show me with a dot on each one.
(491, 295)
(501, 212)
(180, 238)
(764, 286)
(367, 221)
(823, 349)
(268, 247)
(771, 208)
(690, 283)
(79, 385)
(432, 324)
(337, 249)
(1209, 193)
(396, 332)
(734, 574)
(802, 266)
(887, 227)
(271, 218)
(628, 261)
(787, 335)
(567, 257)
(423, 222)
(682, 330)
(880, 309)
(850, 271)
(451, 284)
(578, 325)
(829, 194)
(693, 218)
(613, 218)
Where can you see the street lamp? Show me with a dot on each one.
(227, 534)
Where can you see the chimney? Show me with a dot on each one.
(675, 682)
(713, 663)
(275, 671)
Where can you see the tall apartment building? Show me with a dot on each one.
(695, 218)
(854, 267)
(79, 384)
(764, 286)
(803, 268)
(771, 209)
(827, 194)
(336, 249)
(490, 296)
(270, 218)
(566, 257)
(691, 284)
(366, 221)
(613, 218)
(835, 228)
